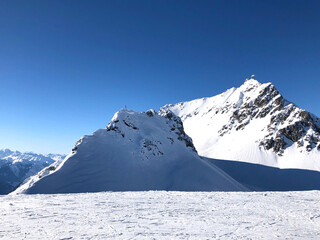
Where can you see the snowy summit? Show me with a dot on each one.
(136, 151)
(252, 123)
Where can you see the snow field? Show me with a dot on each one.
(162, 215)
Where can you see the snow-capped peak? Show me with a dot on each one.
(136, 151)
(127, 122)
(252, 123)
(251, 82)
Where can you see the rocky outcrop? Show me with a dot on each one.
(177, 127)
(293, 126)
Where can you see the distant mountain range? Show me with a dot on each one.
(15, 167)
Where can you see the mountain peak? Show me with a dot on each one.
(253, 121)
(251, 81)
(138, 151)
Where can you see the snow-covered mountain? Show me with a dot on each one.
(252, 123)
(15, 167)
(136, 151)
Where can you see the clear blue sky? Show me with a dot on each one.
(67, 66)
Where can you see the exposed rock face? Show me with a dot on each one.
(288, 124)
(256, 110)
(177, 127)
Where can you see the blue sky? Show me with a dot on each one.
(67, 66)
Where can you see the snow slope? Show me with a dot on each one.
(252, 123)
(137, 151)
(257, 177)
(162, 215)
(15, 167)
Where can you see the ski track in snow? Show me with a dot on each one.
(162, 215)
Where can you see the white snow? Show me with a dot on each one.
(162, 215)
(137, 151)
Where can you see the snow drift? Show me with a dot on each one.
(137, 151)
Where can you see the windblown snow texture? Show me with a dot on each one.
(15, 167)
(162, 215)
(137, 151)
(252, 123)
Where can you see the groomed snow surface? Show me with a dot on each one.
(162, 215)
